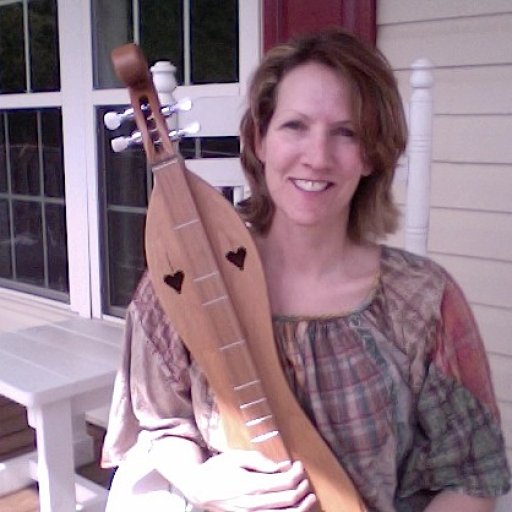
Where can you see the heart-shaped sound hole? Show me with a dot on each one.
(175, 280)
(237, 258)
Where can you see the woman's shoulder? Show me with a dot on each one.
(401, 265)
(413, 283)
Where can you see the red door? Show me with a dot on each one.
(283, 19)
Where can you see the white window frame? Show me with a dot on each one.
(78, 101)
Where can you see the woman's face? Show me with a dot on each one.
(311, 155)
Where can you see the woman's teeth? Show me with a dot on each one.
(311, 186)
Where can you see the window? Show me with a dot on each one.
(28, 42)
(34, 248)
(201, 39)
(33, 243)
(125, 186)
(71, 211)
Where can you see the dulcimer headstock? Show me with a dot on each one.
(149, 115)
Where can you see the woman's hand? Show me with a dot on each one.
(240, 480)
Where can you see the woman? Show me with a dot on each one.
(378, 345)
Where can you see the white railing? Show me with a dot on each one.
(419, 158)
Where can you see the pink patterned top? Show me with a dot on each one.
(399, 388)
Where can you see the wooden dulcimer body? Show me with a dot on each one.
(208, 277)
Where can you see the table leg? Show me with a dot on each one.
(55, 467)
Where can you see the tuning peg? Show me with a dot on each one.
(183, 105)
(121, 143)
(190, 129)
(113, 120)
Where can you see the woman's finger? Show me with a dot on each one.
(300, 499)
(255, 461)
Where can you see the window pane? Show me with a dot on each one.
(33, 253)
(24, 154)
(210, 147)
(126, 255)
(214, 30)
(28, 242)
(56, 242)
(12, 55)
(161, 34)
(220, 147)
(5, 241)
(112, 27)
(126, 183)
(3, 160)
(190, 147)
(125, 173)
(44, 51)
(53, 163)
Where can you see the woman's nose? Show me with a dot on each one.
(317, 151)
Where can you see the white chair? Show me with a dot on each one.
(416, 167)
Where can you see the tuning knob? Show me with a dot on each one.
(121, 143)
(113, 120)
(190, 129)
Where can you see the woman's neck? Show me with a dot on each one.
(303, 249)
(316, 273)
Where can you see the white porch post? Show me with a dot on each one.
(76, 84)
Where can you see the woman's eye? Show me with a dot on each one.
(344, 131)
(294, 125)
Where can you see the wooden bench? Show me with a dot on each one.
(59, 366)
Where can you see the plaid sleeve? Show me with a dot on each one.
(458, 442)
(460, 352)
(152, 392)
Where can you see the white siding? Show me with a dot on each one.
(470, 45)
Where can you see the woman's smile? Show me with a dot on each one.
(311, 185)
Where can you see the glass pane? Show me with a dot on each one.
(189, 147)
(5, 241)
(125, 172)
(51, 136)
(44, 50)
(228, 193)
(126, 178)
(214, 41)
(24, 154)
(28, 242)
(112, 27)
(220, 147)
(210, 147)
(12, 76)
(126, 255)
(161, 33)
(3, 160)
(56, 242)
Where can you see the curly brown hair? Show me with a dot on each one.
(377, 115)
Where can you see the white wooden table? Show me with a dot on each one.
(58, 366)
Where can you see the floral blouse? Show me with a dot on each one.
(399, 388)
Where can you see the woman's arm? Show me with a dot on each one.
(449, 501)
